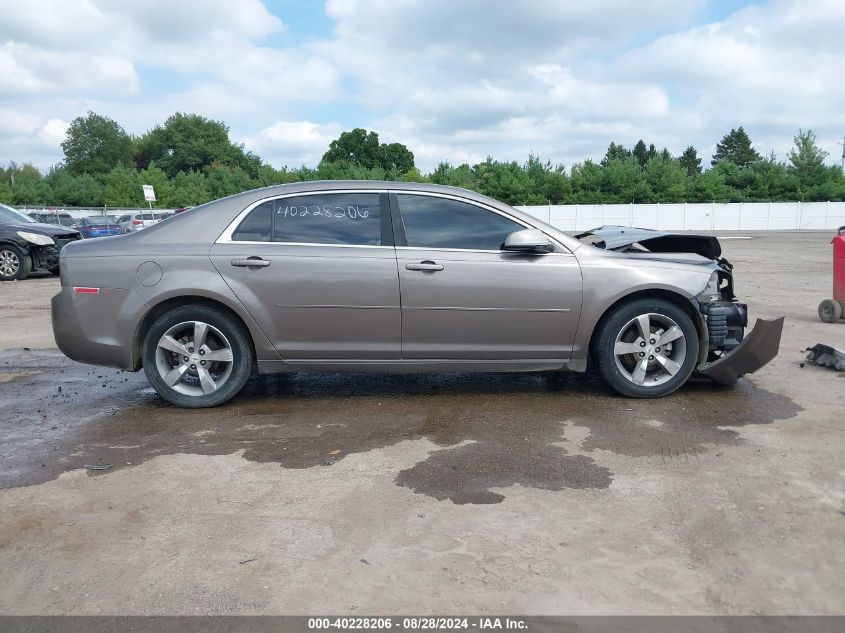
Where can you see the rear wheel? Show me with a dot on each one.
(197, 356)
(14, 263)
(646, 348)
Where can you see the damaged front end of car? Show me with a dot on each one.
(730, 352)
(727, 351)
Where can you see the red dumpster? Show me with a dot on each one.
(831, 310)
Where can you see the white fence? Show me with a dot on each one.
(691, 216)
(86, 212)
(738, 216)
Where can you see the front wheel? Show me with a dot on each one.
(14, 263)
(197, 356)
(646, 348)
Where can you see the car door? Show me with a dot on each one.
(463, 297)
(317, 271)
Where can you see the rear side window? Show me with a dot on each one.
(332, 218)
(257, 226)
(432, 222)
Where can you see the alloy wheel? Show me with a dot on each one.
(650, 349)
(9, 264)
(194, 358)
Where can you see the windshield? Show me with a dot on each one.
(8, 215)
(100, 219)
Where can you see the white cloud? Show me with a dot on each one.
(452, 80)
(293, 143)
(771, 68)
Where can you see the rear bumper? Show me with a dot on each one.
(759, 347)
(98, 329)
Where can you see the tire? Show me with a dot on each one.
(830, 311)
(15, 265)
(197, 382)
(636, 367)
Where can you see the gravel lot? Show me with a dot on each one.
(524, 494)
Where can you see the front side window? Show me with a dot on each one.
(330, 218)
(432, 222)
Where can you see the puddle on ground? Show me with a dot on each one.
(495, 430)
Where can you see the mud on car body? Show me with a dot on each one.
(27, 245)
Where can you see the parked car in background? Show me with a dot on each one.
(27, 245)
(98, 226)
(48, 217)
(137, 221)
(181, 210)
(399, 277)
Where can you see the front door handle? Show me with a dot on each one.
(426, 265)
(250, 262)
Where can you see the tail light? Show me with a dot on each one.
(137, 222)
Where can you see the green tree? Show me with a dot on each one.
(397, 157)
(190, 142)
(641, 153)
(356, 147)
(735, 147)
(556, 185)
(161, 184)
(223, 180)
(587, 180)
(771, 181)
(123, 187)
(94, 144)
(613, 152)
(189, 189)
(26, 185)
(415, 175)
(666, 178)
(447, 174)
(807, 162)
(709, 187)
(690, 161)
(78, 191)
(623, 181)
(361, 148)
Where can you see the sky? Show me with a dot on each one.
(454, 80)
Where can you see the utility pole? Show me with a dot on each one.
(843, 153)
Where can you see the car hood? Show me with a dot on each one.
(675, 258)
(53, 230)
(626, 238)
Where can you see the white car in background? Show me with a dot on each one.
(136, 221)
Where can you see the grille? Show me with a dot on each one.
(61, 241)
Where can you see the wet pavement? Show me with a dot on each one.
(445, 493)
(495, 430)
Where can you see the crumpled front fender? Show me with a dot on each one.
(759, 347)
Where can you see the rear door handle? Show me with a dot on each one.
(250, 262)
(426, 265)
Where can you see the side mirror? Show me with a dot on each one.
(528, 241)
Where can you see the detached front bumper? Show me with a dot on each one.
(757, 348)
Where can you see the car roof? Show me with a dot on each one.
(209, 220)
